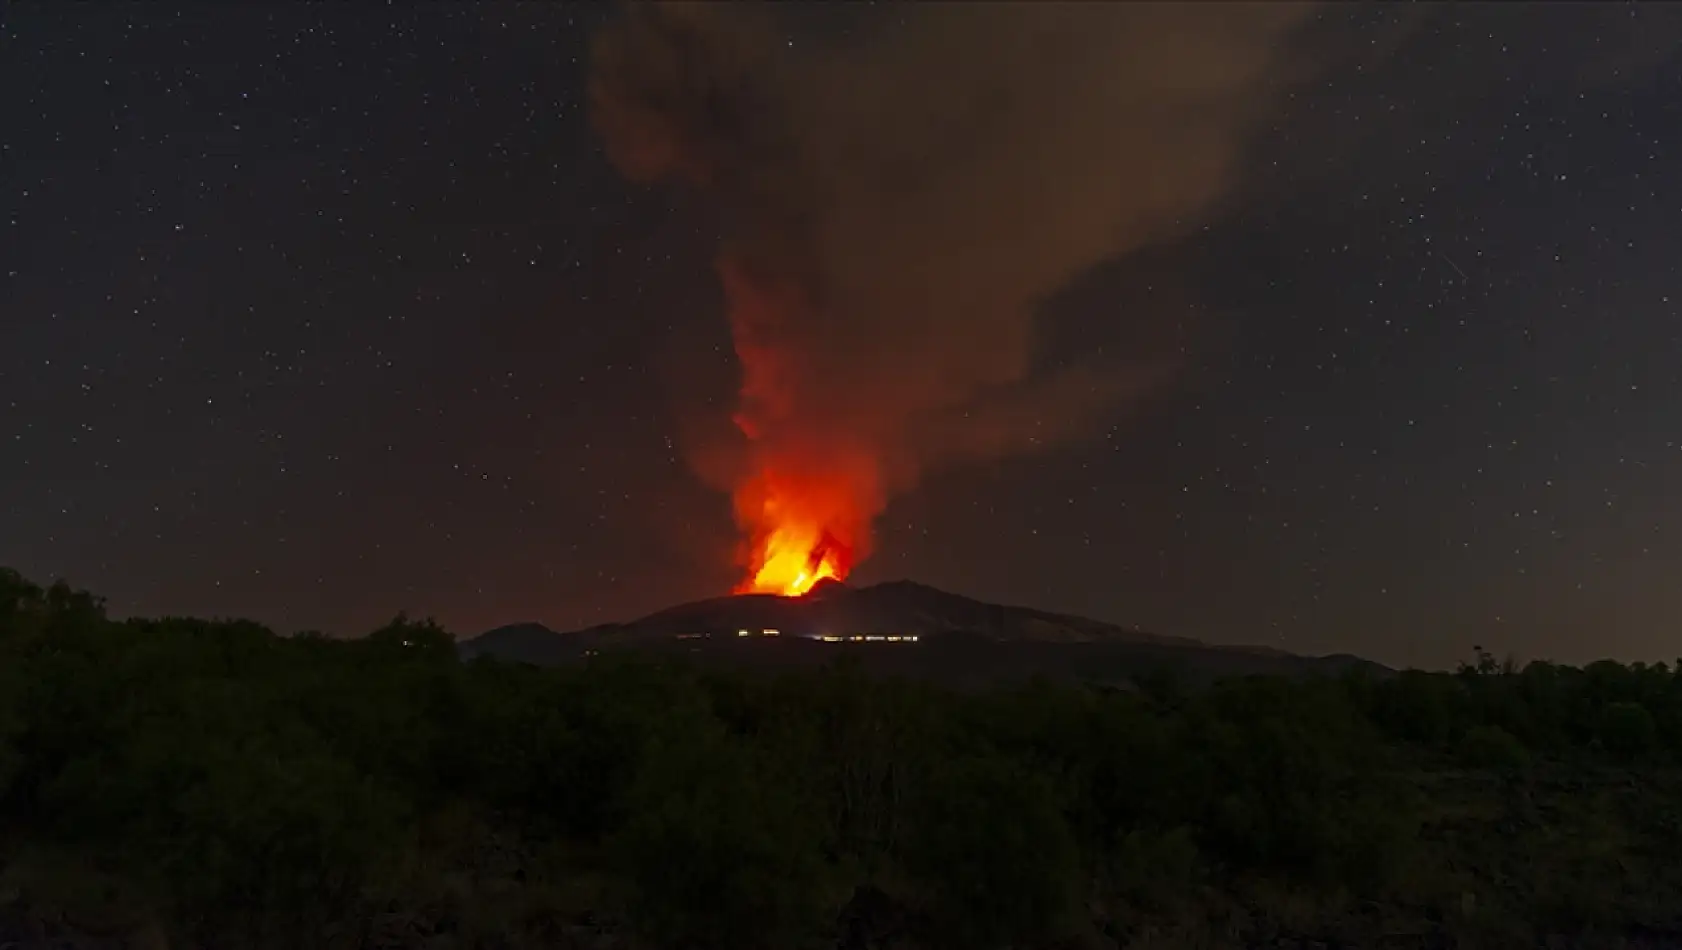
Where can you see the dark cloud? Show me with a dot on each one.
(900, 195)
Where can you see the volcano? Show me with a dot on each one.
(900, 628)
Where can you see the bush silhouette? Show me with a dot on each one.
(1627, 729)
(224, 786)
(1011, 882)
(1492, 747)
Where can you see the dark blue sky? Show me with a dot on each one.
(315, 313)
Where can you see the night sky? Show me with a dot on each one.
(312, 314)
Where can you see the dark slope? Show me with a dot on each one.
(960, 640)
(900, 607)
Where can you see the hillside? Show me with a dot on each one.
(958, 639)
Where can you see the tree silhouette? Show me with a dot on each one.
(214, 784)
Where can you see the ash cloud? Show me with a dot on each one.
(901, 189)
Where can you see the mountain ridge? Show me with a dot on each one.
(924, 631)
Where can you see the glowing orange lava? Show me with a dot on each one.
(792, 559)
(802, 527)
(808, 492)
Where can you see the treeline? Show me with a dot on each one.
(211, 784)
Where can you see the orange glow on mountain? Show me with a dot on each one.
(792, 561)
(796, 528)
(809, 490)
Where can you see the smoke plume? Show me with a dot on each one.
(901, 189)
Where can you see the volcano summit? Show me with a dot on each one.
(900, 628)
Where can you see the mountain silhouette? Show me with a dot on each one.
(957, 638)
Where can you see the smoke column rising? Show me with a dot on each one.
(899, 198)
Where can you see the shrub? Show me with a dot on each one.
(1627, 729)
(1492, 747)
(996, 858)
(720, 853)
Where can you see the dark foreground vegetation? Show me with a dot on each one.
(183, 783)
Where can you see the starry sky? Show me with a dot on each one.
(314, 313)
